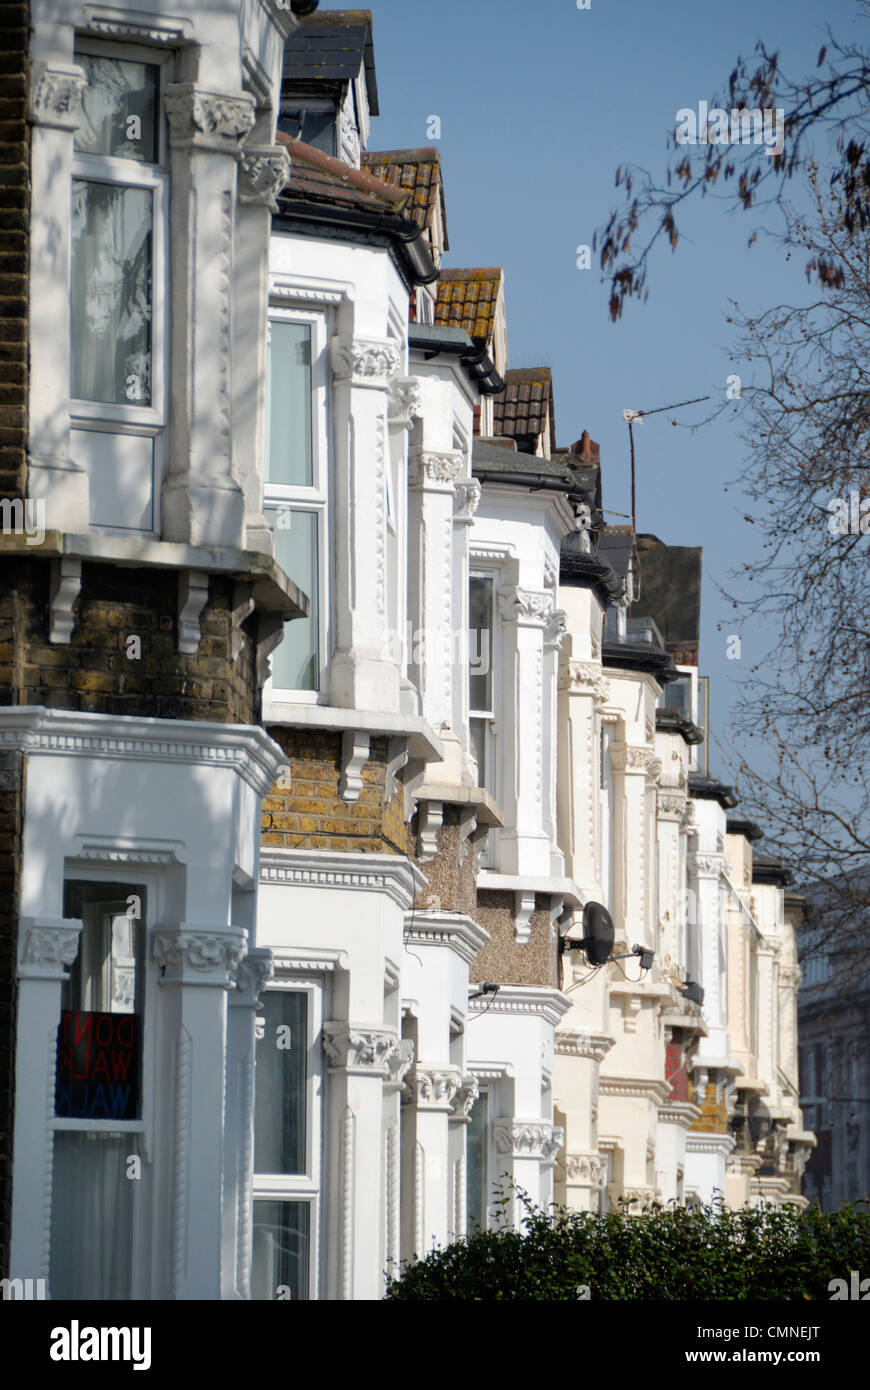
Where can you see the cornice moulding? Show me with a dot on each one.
(681, 1113)
(244, 749)
(454, 930)
(640, 1087)
(720, 1144)
(526, 1000)
(572, 1042)
(390, 874)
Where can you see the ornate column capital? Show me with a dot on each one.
(55, 96)
(204, 120)
(252, 974)
(584, 1169)
(359, 1049)
(527, 607)
(365, 361)
(556, 629)
(466, 499)
(433, 1088)
(528, 1139)
(434, 469)
(193, 955)
(263, 172)
(631, 758)
(705, 865)
(399, 1061)
(47, 946)
(584, 678)
(671, 805)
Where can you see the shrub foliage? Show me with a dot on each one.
(709, 1252)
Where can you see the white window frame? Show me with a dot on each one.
(308, 1186)
(144, 1127)
(104, 417)
(309, 499)
(490, 717)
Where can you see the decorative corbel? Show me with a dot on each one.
(192, 598)
(355, 748)
(524, 906)
(66, 583)
(243, 607)
(430, 818)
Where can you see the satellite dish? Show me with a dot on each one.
(598, 933)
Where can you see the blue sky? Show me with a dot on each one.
(539, 105)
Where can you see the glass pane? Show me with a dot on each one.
(280, 1105)
(296, 662)
(92, 1216)
(478, 748)
(316, 128)
(476, 1164)
(119, 107)
(479, 643)
(99, 1037)
(111, 293)
(282, 1245)
(288, 383)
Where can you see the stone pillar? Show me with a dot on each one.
(554, 633)
(583, 690)
(55, 108)
(525, 851)
(635, 770)
(705, 870)
(197, 966)
(431, 478)
(527, 1152)
(364, 673)
(768, 1021)
(202, 502)
(466, 499)
(398, 1062)
(358, 1058)
(46, 946)
(459, 1118)
(252, 974)
(263, 172)
(430, 1093)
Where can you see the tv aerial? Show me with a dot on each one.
(599, 934)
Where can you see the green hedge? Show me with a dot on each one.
(709, 1252)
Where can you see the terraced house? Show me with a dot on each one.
(331, 713)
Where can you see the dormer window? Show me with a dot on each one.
(314, 123)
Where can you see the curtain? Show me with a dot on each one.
(92, 1215)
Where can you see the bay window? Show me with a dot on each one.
(287, 1143)
(119, 210)
(295, 491)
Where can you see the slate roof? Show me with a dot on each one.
(521, 411)
(320, 177)
(670, 589)
(468, 298)
(329, 48)
(419, 173)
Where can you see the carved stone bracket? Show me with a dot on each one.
(404, 402)
(556, 629)
(524, 906)
(430, 818)
(466, 499)
(199, 119)
(192, 598)
(66, 583)
(252, 974)
(706, 865)
(264, 171)
(399, 1061)
(365, 361)
(627, 757)
(198, 956)
(46, 946)
(355, 748)
(56, 96)
(464, 1099)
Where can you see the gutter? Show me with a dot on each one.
(477, 362)
(418, 258)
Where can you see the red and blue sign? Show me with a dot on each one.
(97, 1067)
